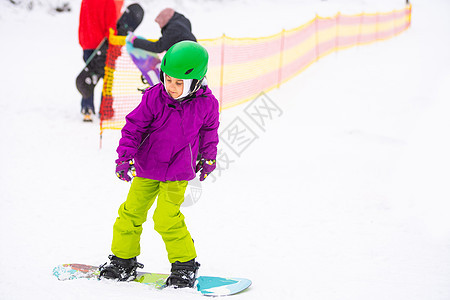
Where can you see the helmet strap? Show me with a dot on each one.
(195, 86)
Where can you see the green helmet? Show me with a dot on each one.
(185, 60)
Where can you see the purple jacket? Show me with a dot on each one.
(164, 136)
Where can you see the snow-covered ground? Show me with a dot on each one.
(345, 194)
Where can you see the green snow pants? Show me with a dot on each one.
(168, 220)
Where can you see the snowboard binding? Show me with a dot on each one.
(120, 269)
(183, 275)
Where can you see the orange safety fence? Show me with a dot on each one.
(241, 68)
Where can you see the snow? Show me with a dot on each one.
(343, 196)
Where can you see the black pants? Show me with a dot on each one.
(87, 103)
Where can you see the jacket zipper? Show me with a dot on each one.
(148, 134)
(190, 146)
(192, 158)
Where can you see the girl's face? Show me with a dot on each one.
(174, 86)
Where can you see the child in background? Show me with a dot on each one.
(176, 119)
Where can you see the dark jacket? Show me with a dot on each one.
(177, 29)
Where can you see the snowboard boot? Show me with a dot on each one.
(183, 274)
(87, 114)
(119, 268)
(87, 118)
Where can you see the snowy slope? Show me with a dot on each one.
(344, 196)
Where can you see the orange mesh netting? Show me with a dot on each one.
(241, 68)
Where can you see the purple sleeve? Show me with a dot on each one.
(136, 129)
(209, 137)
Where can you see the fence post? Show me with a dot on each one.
(222, 59)
(316, 23)
(361, 20)
(393, 22)
(280, 68)
(336, 43)
(377, 21)
(409, 14)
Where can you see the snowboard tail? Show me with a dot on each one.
(130, 19)
(206, 285)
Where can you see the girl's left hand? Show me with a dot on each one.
(205, 166)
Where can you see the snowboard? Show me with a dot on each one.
(95, 65)
(205, 285)
(147, 62)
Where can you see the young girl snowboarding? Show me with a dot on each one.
(176, 120)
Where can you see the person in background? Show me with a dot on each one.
(96, 17)
(175, 28)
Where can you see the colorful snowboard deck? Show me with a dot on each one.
(147, 62)
(206, 285)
